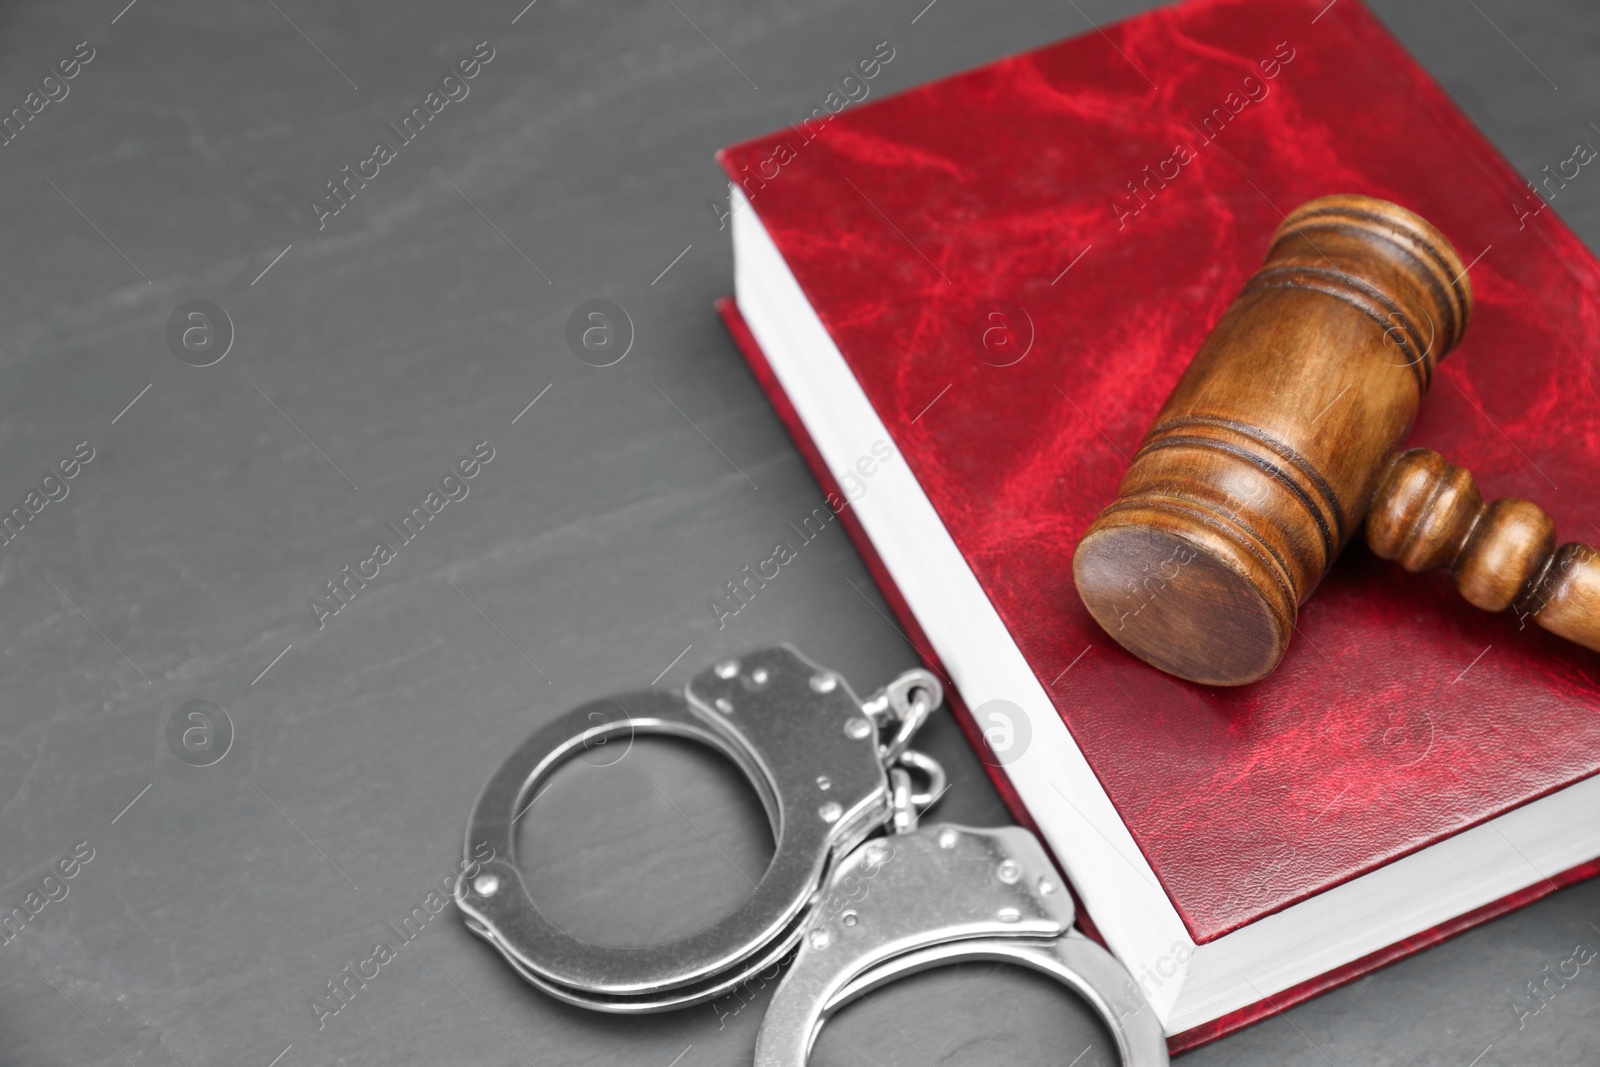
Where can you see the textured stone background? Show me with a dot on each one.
(374, 353)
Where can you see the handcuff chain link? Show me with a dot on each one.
(898, 711)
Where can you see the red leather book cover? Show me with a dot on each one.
(1110, 194)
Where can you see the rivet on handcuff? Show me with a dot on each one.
(831, 770)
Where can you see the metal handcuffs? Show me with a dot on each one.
(831, 770)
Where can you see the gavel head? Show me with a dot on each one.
(1263, 461)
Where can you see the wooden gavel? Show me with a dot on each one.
(1281, 436)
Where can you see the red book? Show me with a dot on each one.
(999, 276)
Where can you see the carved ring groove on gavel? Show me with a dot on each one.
(1281, 436)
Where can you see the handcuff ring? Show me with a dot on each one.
(807, 745)
(950, 894)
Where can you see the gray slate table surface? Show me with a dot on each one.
(367, 358)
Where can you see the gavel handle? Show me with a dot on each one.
(1427, 513)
